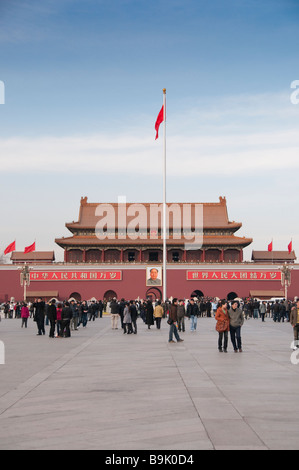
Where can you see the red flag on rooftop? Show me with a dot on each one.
(10, 248)
(270, 246)
(290, 246)
(160, 119)
(30, 248)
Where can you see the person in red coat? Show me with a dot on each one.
(222, 325)
(24, 315)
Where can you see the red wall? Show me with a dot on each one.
(133, 285)
(179, 287)
(10, 285)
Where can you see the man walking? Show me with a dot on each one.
(173, 330)
(181, 315)
(236, 320)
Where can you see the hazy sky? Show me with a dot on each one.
(83, 87)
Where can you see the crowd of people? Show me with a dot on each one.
(63, 317)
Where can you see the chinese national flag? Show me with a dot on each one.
(160, 119)
(10, 248)
(270, 246)
(30, 248)
(290, 247)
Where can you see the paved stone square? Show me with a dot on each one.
(101, 389)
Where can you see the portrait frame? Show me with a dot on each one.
(153, 278)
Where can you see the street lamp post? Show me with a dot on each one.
(285, 278)
(25, 279)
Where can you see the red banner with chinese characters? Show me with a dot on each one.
(234, 275)
(75, 275)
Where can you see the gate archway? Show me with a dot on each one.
(153, 293)
(197, 293)
(76, 296)
(109, 295)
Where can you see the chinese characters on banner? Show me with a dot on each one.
(75, 275)
(234, 275)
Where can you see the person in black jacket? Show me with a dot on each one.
(276, 309)
(149, 313)
(122, 305)
(52, 316)
(192, 313)
(134, 314)
(114, 306)
(256, 308)
(83, 311)
(101, 307)
(66, 316)
(39, 316)
(282, 311)
(92, 310)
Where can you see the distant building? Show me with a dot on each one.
(35, 257)
(277, 257)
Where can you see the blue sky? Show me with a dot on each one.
(83, 87)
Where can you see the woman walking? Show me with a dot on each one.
(222, 325)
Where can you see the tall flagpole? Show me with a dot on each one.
(164, 199)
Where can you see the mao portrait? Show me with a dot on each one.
(153, 276)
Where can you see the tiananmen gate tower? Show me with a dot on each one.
(116, 249)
